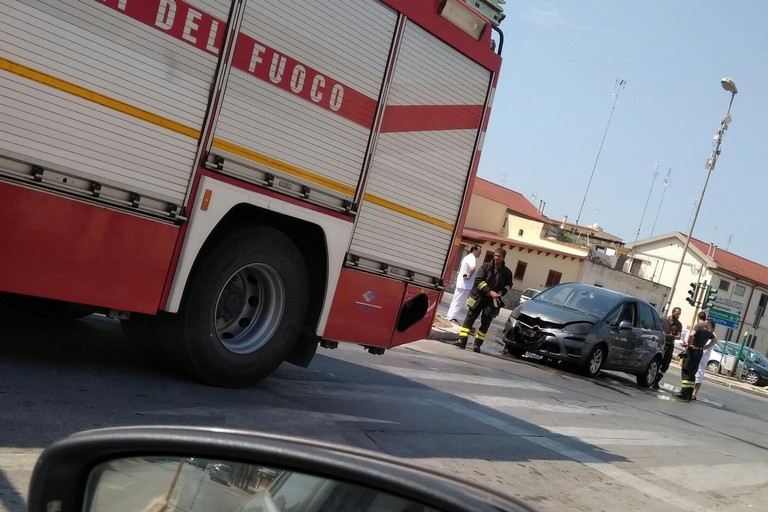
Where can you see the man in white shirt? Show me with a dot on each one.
(464, 282)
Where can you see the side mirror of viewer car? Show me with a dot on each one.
(170, 469)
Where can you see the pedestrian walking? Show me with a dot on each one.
(694, 351)
(672, 329)
(464, 282)
(492, 282)
(704, 360)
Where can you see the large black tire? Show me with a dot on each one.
(594, 362)
(647, 378)
(243, 309)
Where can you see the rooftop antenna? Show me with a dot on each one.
(642, 217)
(617, 87)
(667, 181)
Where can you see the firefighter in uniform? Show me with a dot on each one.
(701, 338)
(492, 281)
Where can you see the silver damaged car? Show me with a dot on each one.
(594, 328)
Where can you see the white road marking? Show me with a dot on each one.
(706, 477)
(503, 402)
(620, 437)
(626, 478)
(436, 375)
(18, 459)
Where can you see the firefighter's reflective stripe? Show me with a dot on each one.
(464, 332)
(483, 285)
(480, 336)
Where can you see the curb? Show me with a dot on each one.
(731, 383)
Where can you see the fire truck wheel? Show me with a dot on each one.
(243, 309)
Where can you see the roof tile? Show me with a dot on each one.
(514, 201)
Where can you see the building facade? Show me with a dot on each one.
(740, 285)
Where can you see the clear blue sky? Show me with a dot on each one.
(554, 100)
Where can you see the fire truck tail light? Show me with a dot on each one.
(206, 199)
(461, 15)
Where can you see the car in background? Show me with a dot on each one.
(198, 462)
(754, 366)
(528, 294)
(220, 473)
(515, 298)
(590, 327)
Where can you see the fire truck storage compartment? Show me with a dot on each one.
(303, 91)
(86, 89)
(422, 160)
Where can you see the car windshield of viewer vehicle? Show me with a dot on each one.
(176, 484)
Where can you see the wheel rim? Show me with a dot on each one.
(653, 370)
(596, 361)
(713, 367)
(249, 308)
(752, 378)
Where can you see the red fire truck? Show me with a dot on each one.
(239, 181)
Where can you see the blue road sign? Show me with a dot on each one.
(724, 322)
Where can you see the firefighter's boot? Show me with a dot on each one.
(479, 340)
(463, 337)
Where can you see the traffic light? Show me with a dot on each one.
(692, 294)
(709, 298)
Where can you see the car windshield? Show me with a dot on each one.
(586, 299)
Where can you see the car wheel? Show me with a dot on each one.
(753, 378)
(713, 366)
(243, 309)
(595, 361)
(647, 378)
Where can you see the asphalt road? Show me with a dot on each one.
(545, 434)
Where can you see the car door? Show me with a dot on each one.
(648, 340)
(621, 341)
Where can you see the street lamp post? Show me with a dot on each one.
(729, 86)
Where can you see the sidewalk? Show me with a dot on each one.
(444, 330)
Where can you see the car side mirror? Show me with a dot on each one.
(197, 469)
(625, 325)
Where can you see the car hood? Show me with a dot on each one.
(550, 314)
